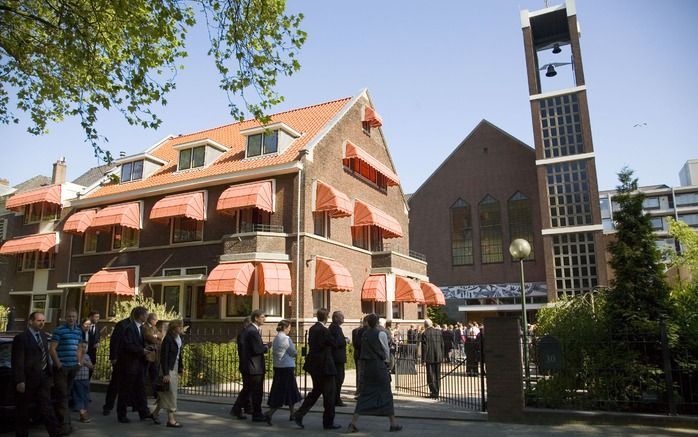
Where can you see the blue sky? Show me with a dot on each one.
(434, 72)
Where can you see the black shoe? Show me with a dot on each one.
(124, 420)
(238, 415)
(340, 404)
(299, 421)
(352, 428)
(106, 411)
(333, 426)
(395, 428)
(263, 418)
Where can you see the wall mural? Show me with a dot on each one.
(489, 291)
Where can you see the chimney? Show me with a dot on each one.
(59, 170)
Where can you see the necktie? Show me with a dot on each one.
(44, 357)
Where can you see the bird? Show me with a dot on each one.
(643, 124)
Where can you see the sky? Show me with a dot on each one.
(434, 70)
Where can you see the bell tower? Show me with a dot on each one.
(565, 161)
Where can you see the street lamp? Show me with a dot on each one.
(519, 250)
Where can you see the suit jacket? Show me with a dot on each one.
(433, 346)
(169, 354)
(319, 360)
(339, 352)
(93, 341)
(26, 359)
(252, 351)
(131, 355)
(356, 336)
(116, 336)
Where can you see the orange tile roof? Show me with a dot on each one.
(309, 121)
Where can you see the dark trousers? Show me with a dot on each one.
(322, 385)
(131, 388)
(63, 385)
(40, 395)
(112, 390)
(434, 378)
(250, 396)
(93, 357)
(151, 376)
(339, 381)
(359, 376)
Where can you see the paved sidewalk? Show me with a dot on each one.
(212, 419)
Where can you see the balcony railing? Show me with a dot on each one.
(390, 247)
(257, 227)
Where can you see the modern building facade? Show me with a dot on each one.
(662, 202)
(302, 213)
(572, 231)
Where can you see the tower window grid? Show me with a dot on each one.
(575, 263)
(568, 194)
(561, 126)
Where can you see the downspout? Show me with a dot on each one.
(298, 250)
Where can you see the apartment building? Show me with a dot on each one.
(301, 213)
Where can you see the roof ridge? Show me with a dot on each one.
(254, 119)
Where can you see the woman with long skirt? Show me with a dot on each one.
(376, 397)
(284, 388)
(171, 368)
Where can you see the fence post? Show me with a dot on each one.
(668, 377)
(505, 394)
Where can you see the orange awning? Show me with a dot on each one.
(274, 278)
(50, 194)
(40, 242)
(331, 275)
(190, 205)
(372, 117)
(117, 281)
(330, 199)
(374, 289)
(234, 278)
(80, 221)
(367, 215)
(124, 214)
(354, 151)
(432, 294)
(256, 195)
(407, 290)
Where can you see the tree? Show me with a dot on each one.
(66, 58)
(639, 294)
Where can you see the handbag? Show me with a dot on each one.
(161, 385)
(151, 356)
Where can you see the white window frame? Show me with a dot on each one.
(94, 233)
(191, 158)
(261, 146)
(113, 238)
(131, 178)
(172, 230)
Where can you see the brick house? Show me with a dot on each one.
(304, 212)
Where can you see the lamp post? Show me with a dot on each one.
(519, 250)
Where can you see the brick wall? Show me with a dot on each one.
(505, 396)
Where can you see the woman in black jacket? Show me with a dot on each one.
(170, 368)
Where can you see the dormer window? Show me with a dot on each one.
(137, 167)
(132, 171)
(268, 140)
(192, 158)
(263, 144)
(198, 153)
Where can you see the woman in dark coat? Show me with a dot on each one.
(171, 368)
(447, 333)
(376, 398)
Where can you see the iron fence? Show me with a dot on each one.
(630, 374)
(463, 374)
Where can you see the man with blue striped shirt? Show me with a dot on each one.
(66, 353)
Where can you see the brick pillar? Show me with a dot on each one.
(505, 395)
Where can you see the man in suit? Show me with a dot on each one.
(320, 364)
(31, 367)
(433, 347)
(356, 335)
(339, 354)
(131, 367)
(93, 337)
(113, 388)
(252, 367)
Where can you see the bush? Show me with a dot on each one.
(122, 309)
